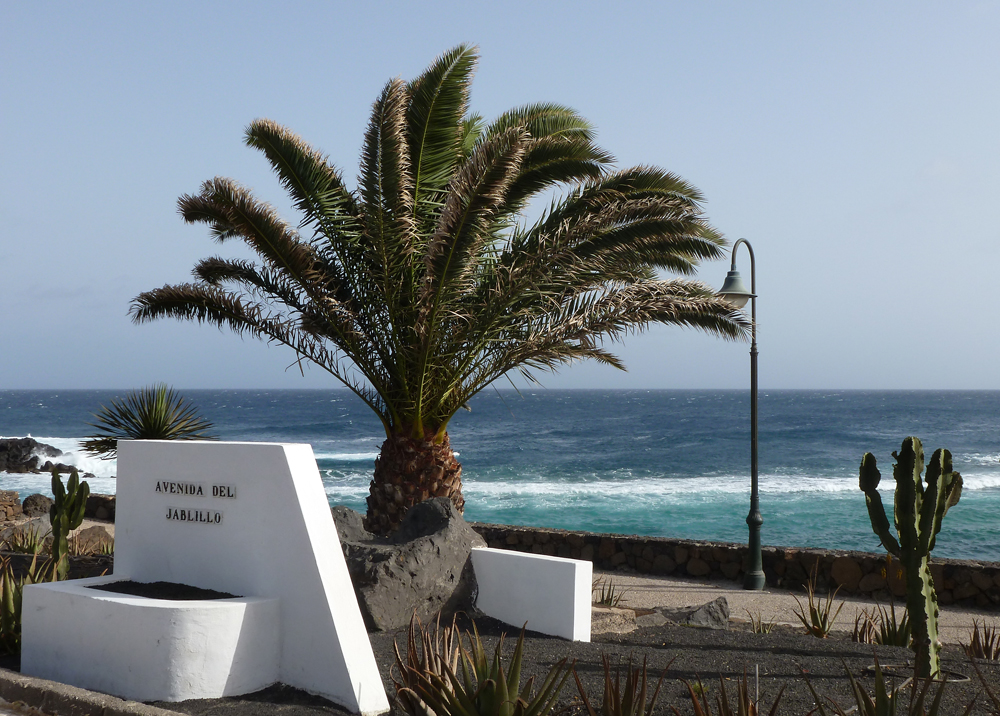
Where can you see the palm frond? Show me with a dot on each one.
(317, 189)
(427, 283)
(438, 105)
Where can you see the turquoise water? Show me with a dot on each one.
(659, 463)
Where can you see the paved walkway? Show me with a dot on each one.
(772, 605)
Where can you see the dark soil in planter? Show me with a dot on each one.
(785, 657)
(162, 590)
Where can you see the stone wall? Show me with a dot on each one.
(10, 504)
(962, 582)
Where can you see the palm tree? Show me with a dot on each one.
(427, 283)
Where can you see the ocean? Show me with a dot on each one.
(670, 463)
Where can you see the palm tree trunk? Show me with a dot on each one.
(409, 471)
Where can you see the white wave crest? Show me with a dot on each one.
(346, 456)
(978, 458)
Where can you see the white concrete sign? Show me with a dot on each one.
(551, 594)
(250, 519)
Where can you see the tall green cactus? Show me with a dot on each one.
(66, 514)
(920, 507)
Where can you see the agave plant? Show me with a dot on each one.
(428, 283)
(156, 412)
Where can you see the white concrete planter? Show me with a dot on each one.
(149, 649)
(242, 518)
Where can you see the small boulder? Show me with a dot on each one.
(714, 615)
(36, 505)
(612, 620)
(423, 567)
(94, 540)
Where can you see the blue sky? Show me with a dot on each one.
(856, 145)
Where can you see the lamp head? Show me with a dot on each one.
(734, 291)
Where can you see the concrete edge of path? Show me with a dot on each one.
(56, 698)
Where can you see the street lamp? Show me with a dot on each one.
(736, 293)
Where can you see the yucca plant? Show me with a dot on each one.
(156, 412)
(887, 700)
(428, 283)
(984, 642)
(818, 621)
(746, 705)
(429, 685)
(627, 700)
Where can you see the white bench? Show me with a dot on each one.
(551, 594)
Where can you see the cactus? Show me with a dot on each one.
(920, 507)
(66, 514)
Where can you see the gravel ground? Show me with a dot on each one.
(782, 657)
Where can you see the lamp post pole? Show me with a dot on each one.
(734, 290)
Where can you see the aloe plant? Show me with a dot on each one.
(431, 685)
(628, 701)
(887, 701)
(11, 590)
(920, 506)
(818, 622)
(746, 705)
(66, 514)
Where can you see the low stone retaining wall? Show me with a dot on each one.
(962, 582)
(10, 504)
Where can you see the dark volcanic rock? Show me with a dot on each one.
(713, 615)
(60, 467)
(36, 505)
(424, 566)
(100, 507)
(22, 454)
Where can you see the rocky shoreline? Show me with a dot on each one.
(27, 455)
